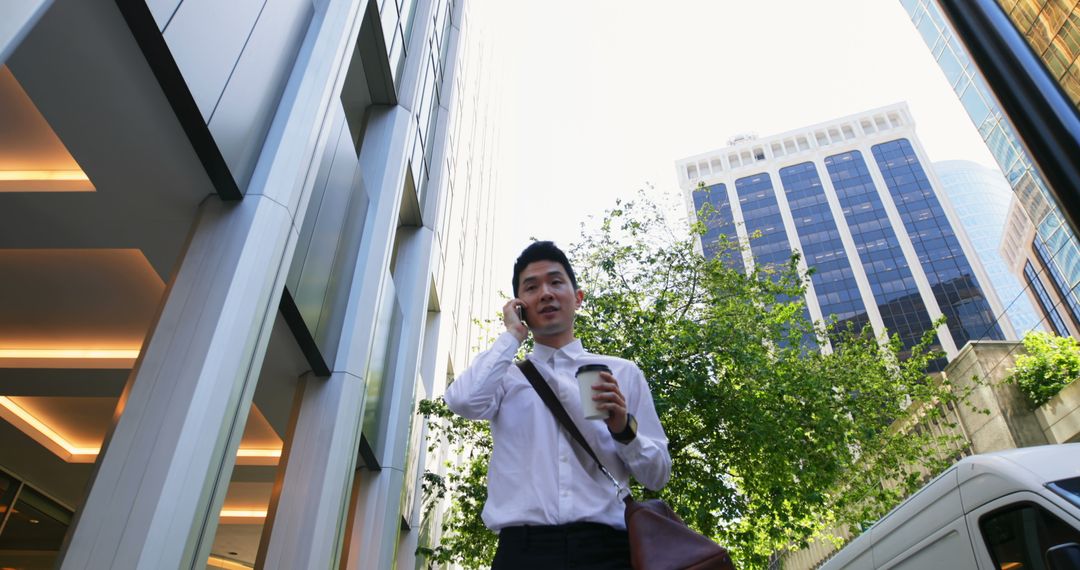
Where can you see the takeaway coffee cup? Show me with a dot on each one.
(587, 376)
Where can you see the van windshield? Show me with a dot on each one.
(1068, 488)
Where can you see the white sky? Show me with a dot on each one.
(600, 97)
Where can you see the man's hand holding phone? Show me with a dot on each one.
(514, 319)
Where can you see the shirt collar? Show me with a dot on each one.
(573, 351)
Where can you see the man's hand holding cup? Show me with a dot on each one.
(601, 398)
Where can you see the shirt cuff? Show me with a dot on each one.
(506, 345)
(627, 451)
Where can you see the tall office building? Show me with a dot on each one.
(238, 242)
(1055, 23)
(980, 196)
(854, 197)
(1026, 256)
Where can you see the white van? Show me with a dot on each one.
(1011, 510)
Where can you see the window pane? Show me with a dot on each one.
(34, 531)
(1021, 535)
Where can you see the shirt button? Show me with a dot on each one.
(564, 459)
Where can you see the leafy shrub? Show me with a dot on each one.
(1051, 363)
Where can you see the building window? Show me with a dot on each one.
(834, 282)
(714, 210)
(1045, 303)
(902, 309)
(947, 268)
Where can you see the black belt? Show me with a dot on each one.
(574, 528)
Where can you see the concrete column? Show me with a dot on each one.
(307, 522)
(155, 493)
(377, 518)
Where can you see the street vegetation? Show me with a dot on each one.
(1048, 364)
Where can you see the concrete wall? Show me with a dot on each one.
(1060, 417)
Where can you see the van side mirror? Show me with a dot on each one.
(1063, 556)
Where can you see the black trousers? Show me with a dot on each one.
(581, 546)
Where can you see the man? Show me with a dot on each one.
(550, 504)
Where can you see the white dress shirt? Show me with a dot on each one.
(538, 475)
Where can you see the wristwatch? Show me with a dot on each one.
(629, 432)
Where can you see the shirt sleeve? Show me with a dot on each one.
(477, 392)
(647, 454)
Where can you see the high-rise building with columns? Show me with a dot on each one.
(857, 198)
(238, 242)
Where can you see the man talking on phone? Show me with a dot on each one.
(547, 500)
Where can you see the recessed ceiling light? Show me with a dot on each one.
(41, 432)
(244, 513)
(42, 175)
(45, 181)
(131, 353)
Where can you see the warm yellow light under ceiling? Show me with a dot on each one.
(41, 432)
(73, 428)
(76, 308)
(100, 358)
(32, 156)
(219, 562)
(247, 514)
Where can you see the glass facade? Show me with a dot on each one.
(718, 222)
(761, 214)
(1059, 282)
(397, 22)
(980, 197)
(834, 283)
(1051, 28)
(32, 526)
(430, 94)
(769, 244)
(903, 311)
(1045, 303)
(950, 274)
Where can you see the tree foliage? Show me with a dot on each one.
(1049, 364)
(772, 439)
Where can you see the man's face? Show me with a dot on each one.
(551, 300)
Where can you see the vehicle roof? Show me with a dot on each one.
(1046, 462)
(988, 476)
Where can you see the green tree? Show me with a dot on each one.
(772, 440)
(1049, 364)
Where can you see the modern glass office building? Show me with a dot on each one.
(238, 242)
(1026, 256)
(1051, 27)
(980, 196)
(853, 195)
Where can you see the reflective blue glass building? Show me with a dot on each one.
(980, 196)
(857, 197)
(1061, 248)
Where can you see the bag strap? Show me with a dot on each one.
(552, 401)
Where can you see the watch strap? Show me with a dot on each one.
(629, 432)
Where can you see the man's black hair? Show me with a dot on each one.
(542, 251)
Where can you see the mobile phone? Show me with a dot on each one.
(521, 313)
